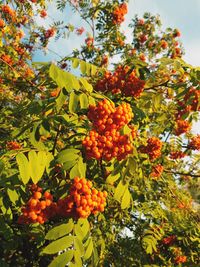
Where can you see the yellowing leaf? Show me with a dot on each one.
(24, 167)
(126, 199)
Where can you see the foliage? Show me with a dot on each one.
(125, 127)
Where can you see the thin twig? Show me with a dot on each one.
(182, 173)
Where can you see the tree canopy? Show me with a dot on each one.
(99, 166)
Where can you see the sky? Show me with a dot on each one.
(180, 14)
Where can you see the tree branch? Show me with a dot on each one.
(182, 173)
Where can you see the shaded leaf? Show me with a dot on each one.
(73, 102)
(126, 199)
(89, 249)
(119, 191)
(63, 259)
(24, 167)
(68, 155)
(60, 230)
(58, 245)
(83, 101)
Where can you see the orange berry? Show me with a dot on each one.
(33, 202)
(105, 193)
(78, 186)
(37, 195)
(32, 215)
(43, 204)
(40, 219)
(83, 181)
(48, 202)
(48, 195)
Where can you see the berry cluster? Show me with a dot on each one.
(2, 23)
(121, 81)
(180, 259)
(157, 171)
(153, 148)
(83, 200)
(8, 11)
(50, 33)
(107, 146)
(189, 103)
(39, 208)
(143, 38)
(182, 126)
(7, 59)
(55, 92)
(105, 117)
(89, 41)
(177, 155)
(43, 13)
(13, 145)
(169, 240)
(176, 52)
(195, 143)
(119, 13)
(79, 31)
(105, 141)
(163, 44)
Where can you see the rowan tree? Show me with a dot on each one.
(99, 166)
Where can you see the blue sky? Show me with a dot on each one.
(181, 14)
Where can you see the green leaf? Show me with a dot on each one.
(84, 103)
(76, 83)
(35, 138)
(78, 231)
(68, 164)
(63, 259)
(2, 167)
(81, 167)
(83, 67)
(58, 245)
(89, 249)
(156, 100)
(119, 191)
(79, 246)
(77, 259)
(132, 166)
(88, 69)
(126, 199)
(53, 72)
(85, 226)
(37, 165)
(73, 102)
(70, 154)
(126, 130)
(75, 63)
(60, 231)
(60, 100)
(93, 70)
(91, 100)
(12, 195)
(88, 87)
(42, 162)
(24, 167)
(74, 172)
(63, 78)
(149, 243)
(49, 159)
(112, 178)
